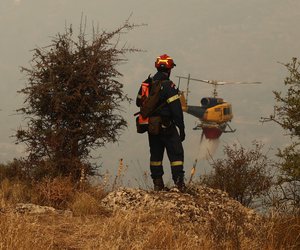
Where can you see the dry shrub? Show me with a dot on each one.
(232, 231)
(14, 170)
(244, 173)
(284, 232)
(86, 204)
(15, 191)
(59, 192)
(56, 192)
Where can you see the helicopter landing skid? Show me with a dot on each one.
(222, 127)
(210, 125)
(230, 129)
(198, 127)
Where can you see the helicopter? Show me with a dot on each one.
(214, 113)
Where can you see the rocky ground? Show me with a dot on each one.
(212, 209)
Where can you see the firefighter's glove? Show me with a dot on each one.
(182, 134)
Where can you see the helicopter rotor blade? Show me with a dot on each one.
(214, 82)
(223, 83)
(194, 79)
(198, 80)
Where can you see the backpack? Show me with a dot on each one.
(150, 104)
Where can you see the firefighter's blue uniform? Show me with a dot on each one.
(169, 138)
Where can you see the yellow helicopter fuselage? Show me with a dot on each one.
(212, 110)
(219, 113)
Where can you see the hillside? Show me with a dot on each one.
(135, 219)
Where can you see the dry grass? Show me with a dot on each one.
(119, 231)
(87, 203)
(142, 230)
(284, 232)
(13, 192)
(92, 227)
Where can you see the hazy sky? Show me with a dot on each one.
(234, 40)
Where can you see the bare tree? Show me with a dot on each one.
(73, 101)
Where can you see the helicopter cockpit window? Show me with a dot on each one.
(226, 111)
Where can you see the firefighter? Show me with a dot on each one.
(171, 122)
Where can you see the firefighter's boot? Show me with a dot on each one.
(158, 184)
(181, 187)
(179, 183)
